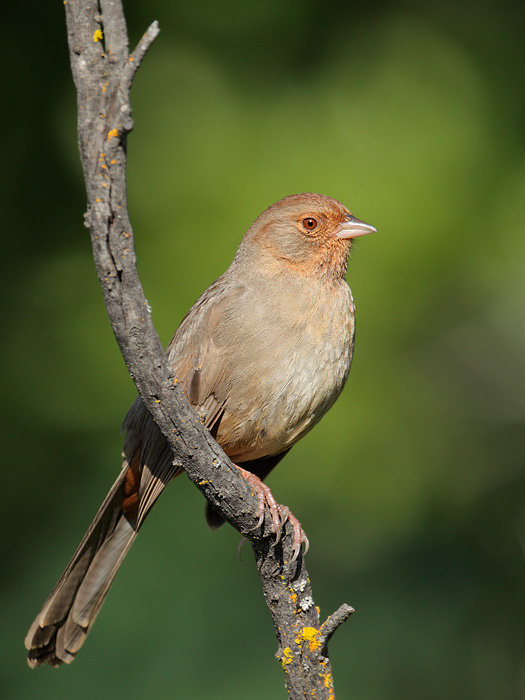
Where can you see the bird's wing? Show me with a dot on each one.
(196, 360)
(199, 370)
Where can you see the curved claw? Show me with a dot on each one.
(284, 513)
(240, 546)
(299, 537)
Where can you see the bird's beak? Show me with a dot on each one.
(353, 227)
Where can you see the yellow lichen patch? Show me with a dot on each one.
(287, 657)
(112, 133)
(309, 634)
(97, 36)
(328, 683)
(204, 481)
(293, 597)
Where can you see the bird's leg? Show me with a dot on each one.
(280, 514)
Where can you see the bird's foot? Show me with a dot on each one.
(280, 514)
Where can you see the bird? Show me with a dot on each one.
(261, 356)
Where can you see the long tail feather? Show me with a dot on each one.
(61, 627)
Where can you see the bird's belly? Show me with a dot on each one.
(296, 392)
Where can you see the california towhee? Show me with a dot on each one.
(261, 356)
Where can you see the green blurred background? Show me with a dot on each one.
(412, 489)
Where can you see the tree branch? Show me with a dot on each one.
(103, 71)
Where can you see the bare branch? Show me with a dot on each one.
(331, 623)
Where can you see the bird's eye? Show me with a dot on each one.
(310, 224)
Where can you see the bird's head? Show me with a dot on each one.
(310, 233)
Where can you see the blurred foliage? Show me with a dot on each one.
(412, 489)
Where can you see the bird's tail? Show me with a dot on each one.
(61, 627)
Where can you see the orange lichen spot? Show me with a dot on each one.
(204, 481)
(311, 635)
(113, 162)
(98, 36)
(293, 597)
(98, 200)
(287, 657)
(125, 234)
(112, 133)
(131, 58)
(328, 682)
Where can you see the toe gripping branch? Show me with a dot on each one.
(280, 514)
